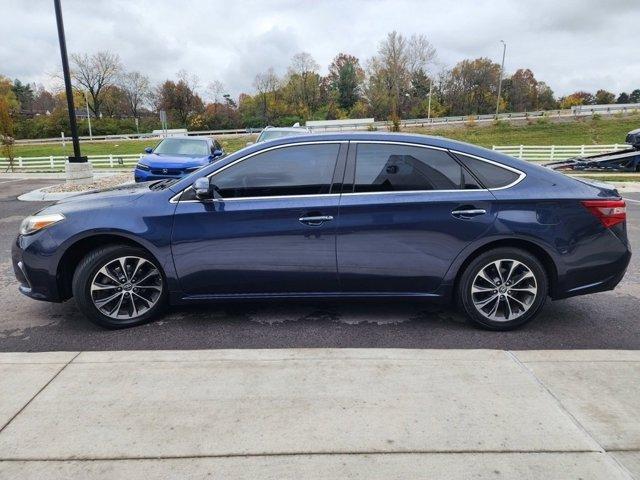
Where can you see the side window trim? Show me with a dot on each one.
(520, 173)
(349, 181)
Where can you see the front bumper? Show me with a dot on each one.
(33, 271)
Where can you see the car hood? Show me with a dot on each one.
(174, 161)
(126, 192)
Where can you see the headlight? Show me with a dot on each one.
(142, 166)
(37, 222)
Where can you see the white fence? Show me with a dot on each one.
(56, 163)
(549, 153)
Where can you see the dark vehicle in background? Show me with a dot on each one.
(627, 160)
(272, 133)
(175, 157)
(333, 215)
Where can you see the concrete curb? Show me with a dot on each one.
(40, 195)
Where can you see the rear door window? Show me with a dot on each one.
(489, 174)
(397, 168)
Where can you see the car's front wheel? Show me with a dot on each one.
(119, 286)
(503, 288)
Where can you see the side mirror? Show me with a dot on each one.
(202, 187)
(148, 150)
(217, 153)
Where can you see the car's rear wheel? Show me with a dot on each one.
(119, 286)
(503, 288)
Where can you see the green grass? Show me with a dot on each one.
(120, 147)
(590, 131)
(623, 177)
(545, 132)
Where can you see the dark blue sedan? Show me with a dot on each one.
(336, 215)
(175, 157)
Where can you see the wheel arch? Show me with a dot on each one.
(529, 246)
(79, 248)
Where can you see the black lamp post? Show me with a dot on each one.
(77, 158)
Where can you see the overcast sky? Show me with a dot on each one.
(570, 44)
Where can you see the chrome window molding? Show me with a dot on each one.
(417, 192)
(395, 142)
(274, 197)
(521, 174)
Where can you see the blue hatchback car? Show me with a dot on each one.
(335, 215)
(175, 157)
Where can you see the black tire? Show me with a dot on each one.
(88, 268)
(464, 291)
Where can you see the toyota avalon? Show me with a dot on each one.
(334, 215)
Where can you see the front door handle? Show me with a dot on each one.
(315, 220)
(470, 213)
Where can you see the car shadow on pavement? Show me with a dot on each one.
(587, 322)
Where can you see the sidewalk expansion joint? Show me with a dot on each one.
(570, 415)
(298, 454)
(38, 392)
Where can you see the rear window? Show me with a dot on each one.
(490, 175)
(397, 168)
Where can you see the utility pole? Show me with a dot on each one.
(78, 169)
(429, 107)
(504, 51)
(86, 101)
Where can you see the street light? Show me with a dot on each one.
(78, 169)
(504, 51)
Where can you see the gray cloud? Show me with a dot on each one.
(571, 44)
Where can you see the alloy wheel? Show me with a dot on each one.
(504, 290)
(126, 287)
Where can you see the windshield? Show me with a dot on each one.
(182, 146)
(272, 134)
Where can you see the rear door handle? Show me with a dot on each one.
(315, 220)
(470, 213)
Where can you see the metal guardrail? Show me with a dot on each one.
(588, 110)
(543, 153)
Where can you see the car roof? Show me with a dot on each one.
(287, 129)
(187, 137)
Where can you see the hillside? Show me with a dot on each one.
(538, 132)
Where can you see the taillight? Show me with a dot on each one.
(609, 212)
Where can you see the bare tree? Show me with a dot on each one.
(136, 89)
(95, 72)
(303, 63)
(215, 91)
(420, 53)
(304, 81)
(191, 80)
(266, 83)
(392, 65)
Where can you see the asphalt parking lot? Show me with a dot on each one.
(608, 320)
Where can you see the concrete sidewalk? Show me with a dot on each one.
(320, 413)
